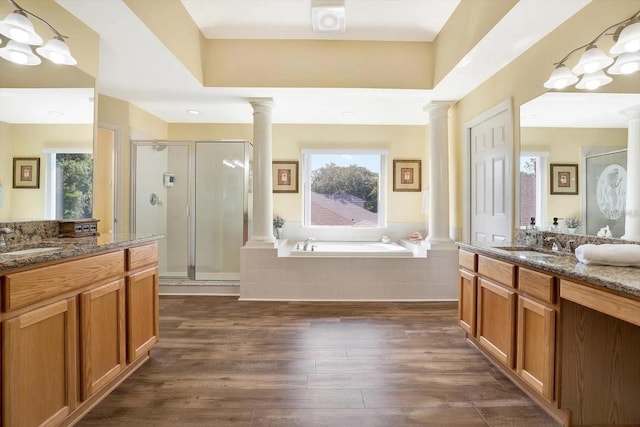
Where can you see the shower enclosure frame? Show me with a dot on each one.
(191, 190)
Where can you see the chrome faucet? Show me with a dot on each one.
(4, 231)
(557, 245)
(306, 243)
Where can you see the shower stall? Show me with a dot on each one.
(196, 193)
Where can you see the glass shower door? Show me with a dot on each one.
(220, 209)
(162, 202)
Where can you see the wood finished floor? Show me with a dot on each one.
(221, 362)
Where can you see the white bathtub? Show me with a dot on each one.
(351, 249)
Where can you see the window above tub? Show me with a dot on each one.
(344, 188)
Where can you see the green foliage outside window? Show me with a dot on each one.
(347, 180)
(76, 174)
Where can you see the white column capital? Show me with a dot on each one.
(435, 108)
(261, 105)
(632, 112)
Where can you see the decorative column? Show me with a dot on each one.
(438, 224)
(632, 219)
(262, 184)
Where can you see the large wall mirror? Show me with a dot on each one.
(573, 160)
(46, 115)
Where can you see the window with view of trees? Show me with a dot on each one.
(343, 188)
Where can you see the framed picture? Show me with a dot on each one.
(285, 176)
(407, 175)
(564, 179)
(26, 172)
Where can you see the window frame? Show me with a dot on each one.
(306, 155)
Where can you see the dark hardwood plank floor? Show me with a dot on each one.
(221, 362)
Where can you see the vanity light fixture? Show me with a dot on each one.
(19, 30)
(594, 61)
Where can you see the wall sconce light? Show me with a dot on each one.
(593, 61)
(19, 30)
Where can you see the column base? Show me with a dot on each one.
(443, 244)
(261, 244)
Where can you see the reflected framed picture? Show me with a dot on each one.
(564, 178)
(285, 176)
(26, 172)
(407, 175)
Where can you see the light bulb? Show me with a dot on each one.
(19, 35)
(630, 68)
(632, 45)
(18, 58)
(56, 58)
(591, 67)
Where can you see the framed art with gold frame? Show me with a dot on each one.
(285, 176)
(407, 175)
(26, 172)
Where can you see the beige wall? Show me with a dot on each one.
(563, 146)
(173, 25)
(318, 63)
(476, 19)
(403, 142)
(522, 80)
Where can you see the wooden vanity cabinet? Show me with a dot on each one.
(536, 334)
(102, 336)
(142, 313)
(496, 320)
(67, 329)
(467, 291)
(496, 310)
(39, 366)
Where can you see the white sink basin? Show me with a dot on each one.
(30, 251)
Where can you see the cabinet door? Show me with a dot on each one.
(536, 345)
(142, 313)
(467, 301)
(39, 368)
(496, 321)
(102, 336)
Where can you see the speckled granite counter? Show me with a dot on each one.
(68, 248)
(625, 280)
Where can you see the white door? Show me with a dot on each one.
(491, 183)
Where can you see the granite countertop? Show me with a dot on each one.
(67, 248)
(625, 280)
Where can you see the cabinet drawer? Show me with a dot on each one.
(537, 284)
(468, 260)
(141, 256)
(28, 287)
(500, 271)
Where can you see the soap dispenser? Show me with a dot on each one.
(531, 233)
(555, 226)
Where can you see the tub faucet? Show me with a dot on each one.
(306, 243)
(4, 231)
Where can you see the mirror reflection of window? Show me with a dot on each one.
(532, 188)
(69, 188)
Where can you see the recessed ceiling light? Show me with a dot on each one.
(56, 113)
(348, 113)
(194, 112)
(328, 16)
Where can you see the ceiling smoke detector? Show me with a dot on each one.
(328, 16)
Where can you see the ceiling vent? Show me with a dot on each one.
(327, 16)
